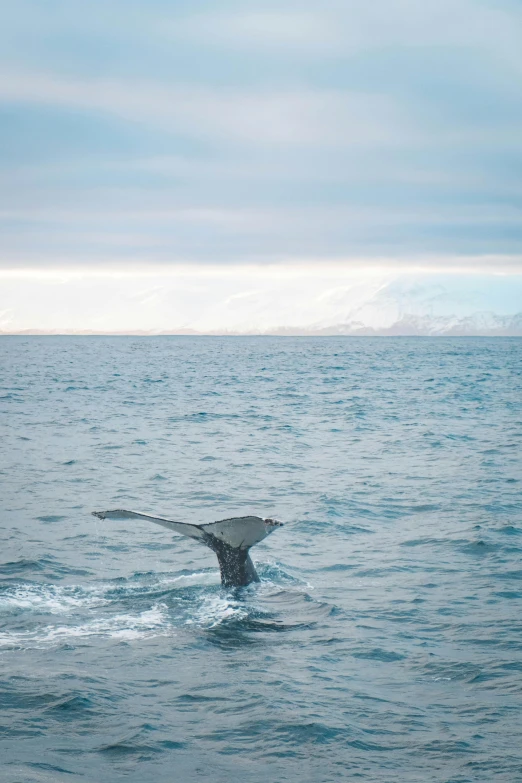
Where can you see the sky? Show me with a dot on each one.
(254, 165)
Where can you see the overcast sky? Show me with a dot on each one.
(173, 140)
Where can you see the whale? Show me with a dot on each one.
(230, 539)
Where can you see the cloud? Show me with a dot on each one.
(268, 131)
(296, 117)
(348, 27)
(292, 30)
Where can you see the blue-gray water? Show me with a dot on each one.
(384, 642)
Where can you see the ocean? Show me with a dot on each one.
(384, 641)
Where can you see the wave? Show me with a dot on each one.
(123, 627)
(50, 599)
(148, 605)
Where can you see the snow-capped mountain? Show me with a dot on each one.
(486, 324)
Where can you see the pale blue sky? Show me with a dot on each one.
(221, 133)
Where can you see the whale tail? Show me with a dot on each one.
(230, 539)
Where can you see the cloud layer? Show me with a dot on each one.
(261, 132)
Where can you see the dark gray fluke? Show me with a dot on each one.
(230, 539)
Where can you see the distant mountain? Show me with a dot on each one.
(93, 333)
(481, 324)
(484, 324)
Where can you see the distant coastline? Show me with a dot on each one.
(477, 325)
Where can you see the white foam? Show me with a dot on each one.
(51, 599)
(203, 578)
(152, 622)
(77, 602)
(214, 610)
(63, 599)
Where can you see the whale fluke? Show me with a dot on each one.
(230, 539)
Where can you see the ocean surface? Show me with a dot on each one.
(384, 642)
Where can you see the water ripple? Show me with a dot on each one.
(383, 641)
